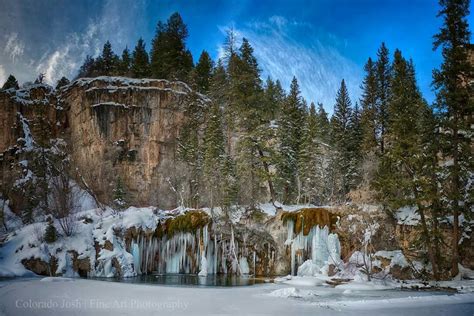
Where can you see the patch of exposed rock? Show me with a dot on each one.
(127, 128)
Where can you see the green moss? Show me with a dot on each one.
(310, 217)
(187, 222)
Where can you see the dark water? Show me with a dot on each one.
(188, 280)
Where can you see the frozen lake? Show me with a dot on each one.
(62, 296)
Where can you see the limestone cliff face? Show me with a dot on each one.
(127, 128)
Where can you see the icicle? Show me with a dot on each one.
(214, 270)
(234, 249)
(244, 266)
(290, 226)
(136, 258)
(334, 249)
(203, 271)
(254, 263)
(293, 254)
(223, 260)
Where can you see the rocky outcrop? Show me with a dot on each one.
(127, 128)
(41, 267)
(34, 105)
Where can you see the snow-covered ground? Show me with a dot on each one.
(62, 296)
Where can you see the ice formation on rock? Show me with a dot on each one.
(319, 246)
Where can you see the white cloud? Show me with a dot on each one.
(3, 75)
(114, 24)
(14, 47)
(66, 59)
(317, 62)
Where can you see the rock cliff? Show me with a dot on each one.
(115, 128)
(127, 128)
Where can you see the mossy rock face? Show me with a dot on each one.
(310, 217)
(187, 222)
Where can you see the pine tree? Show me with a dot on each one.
(311, 165)
(383, 76)
(190, 148)
(405, 173)
(274, 95)
(125, 63)
(107, 62)
(169, 57)
(219, 92)
(140, 67)
(356, 146)
(230, 187)
(213, 154)
(245, 114)
(342, 138)
(62, 82)
(203, 72)
(323, 125)
(119, 195)
(11, 83)
(369, 107)
(455, 105)
(50, 234)
(247, 87)
(88, 68)
(289, 135)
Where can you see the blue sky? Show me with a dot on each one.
(320, 42)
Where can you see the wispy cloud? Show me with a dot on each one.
(114, 24)
(14, 47)
(286, 48)
(66, 59)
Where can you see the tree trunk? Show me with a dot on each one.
(456, 190)
(429, 246)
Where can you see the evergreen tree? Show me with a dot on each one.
(219, 92)
(213, 154)
(323, 125)
(125, 63)
(88, 68)
(356, 143)
(230, 187)
(119, 195)
(405, 173)
(140, 67)
(190, 149)
(245, 113)
(311, 164)
(107, 62)
(455, 106)
(369, 107)
(289, 135)
(203, 72)
(169, 57)
(342, 138)
(11, 83)
(62, 82)
(383, 76)
(50, 234)
(274, 95)
(246, 88)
